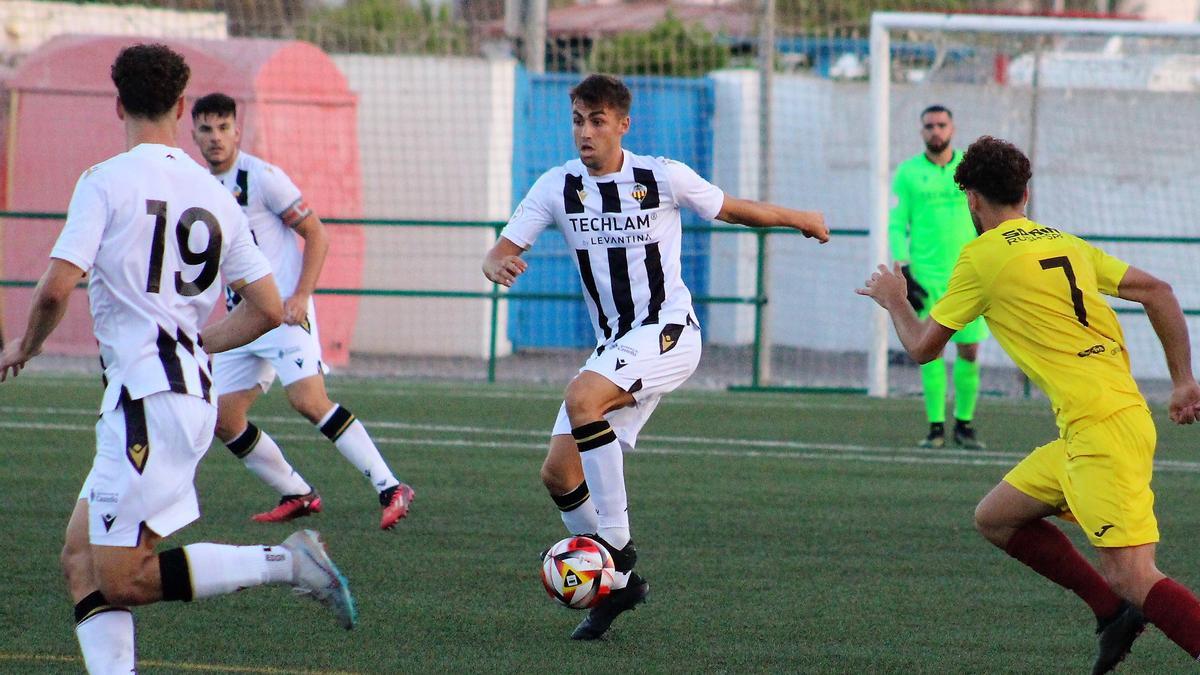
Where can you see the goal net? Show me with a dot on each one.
(1107, 111)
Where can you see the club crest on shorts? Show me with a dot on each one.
(669, 337)
(138, 453)
(306, 325)
(638, 192)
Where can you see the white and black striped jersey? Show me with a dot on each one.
(625, 230)
(274, 205)
(152, 230)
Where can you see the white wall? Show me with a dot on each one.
(435, 137)
(26, 24)
(1105, 163)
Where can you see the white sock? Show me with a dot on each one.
(581, 520)
(267, 462)
(106, 641)
(217, 569)
(259, 453)
(350, 437)
(605, 473)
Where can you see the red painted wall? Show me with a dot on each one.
(296, 110)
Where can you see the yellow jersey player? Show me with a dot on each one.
(1040, 290)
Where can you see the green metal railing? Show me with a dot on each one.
(759, 300)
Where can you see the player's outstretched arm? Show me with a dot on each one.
(261, 310)
(316, 246)
(503, 264)
(1166, 316)
(761, 214)
(923, 340)
(49, 304)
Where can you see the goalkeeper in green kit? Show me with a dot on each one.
(929, 224)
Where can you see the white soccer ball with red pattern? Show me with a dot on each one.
(577, 572)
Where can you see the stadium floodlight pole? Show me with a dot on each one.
(535, 36)
(766, 84)
(880, 56)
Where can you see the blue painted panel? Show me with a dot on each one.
(672, 117)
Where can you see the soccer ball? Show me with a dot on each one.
(577, 572)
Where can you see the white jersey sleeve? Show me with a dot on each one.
(243, 262)
(692, 191)
(281, 196)
(87, 216)
(534, 214)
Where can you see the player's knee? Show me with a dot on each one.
(1131, 581)
(312, 408)
(990, 527)
(582, 403)
(74, 561)
(228, 429)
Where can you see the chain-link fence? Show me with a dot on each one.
(414, 128)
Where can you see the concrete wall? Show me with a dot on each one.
(1105, 163)
(30, 23)
(435, 142)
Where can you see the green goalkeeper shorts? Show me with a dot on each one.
(976, 331)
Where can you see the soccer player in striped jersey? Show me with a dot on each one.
(152, 231)
(1041, 291)
(279, 219)
(619, 213)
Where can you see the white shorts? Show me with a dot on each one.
(291, 352)
(648, 361)
(145, 467)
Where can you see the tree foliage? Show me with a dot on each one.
(671, 47)
(386, 27)
(835, 14)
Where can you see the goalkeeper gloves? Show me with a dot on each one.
(916, 292)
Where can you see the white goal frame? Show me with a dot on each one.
(880, 97)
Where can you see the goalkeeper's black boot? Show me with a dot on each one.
(1116, 636)
(602, 615)
(964, 436)
(936, 437)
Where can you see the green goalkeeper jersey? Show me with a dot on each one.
(930, 221)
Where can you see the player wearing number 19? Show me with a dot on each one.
(152, 231)
(1041, 290)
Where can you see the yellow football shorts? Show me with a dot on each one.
(1099, 477)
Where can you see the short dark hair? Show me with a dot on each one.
(603, 90)
(215, 103)
(150, 78)
(936, 108)
(995, 169)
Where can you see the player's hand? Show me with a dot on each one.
(1184, 407)
(886, 287)
(13, 359)
(917, 295)
(295, 309)
(504, 271)
(813, 226)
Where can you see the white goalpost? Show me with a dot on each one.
(1080, 96)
